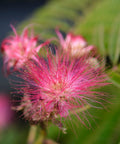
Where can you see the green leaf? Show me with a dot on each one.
(62, 14)
(114, 42)
(117, 49)
(97, 28)
(114, 77)
(98, 39)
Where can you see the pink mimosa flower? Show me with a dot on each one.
(5, 111)
(19, 48)
(75, 44)
(57, 87)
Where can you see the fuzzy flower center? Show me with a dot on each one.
(60, 91)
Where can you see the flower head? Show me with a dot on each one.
(75, 44)
(19, 48)
(56, 87)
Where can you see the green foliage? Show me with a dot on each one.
(114, 76)
(103, 14)
(114, 43)
(102, 28)
(14, 135)
(62, 14)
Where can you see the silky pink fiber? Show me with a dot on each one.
(56, 87)
(75, 44)
(19, 48)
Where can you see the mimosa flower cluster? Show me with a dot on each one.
(59, 84)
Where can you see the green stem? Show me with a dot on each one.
(43, 134)
(32, 134)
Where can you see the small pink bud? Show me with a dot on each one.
(75, 44)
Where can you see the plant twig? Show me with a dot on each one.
(32, 134)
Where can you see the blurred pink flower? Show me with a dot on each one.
(19, 48)
(75, 44)
(55, 87)
(5, 111)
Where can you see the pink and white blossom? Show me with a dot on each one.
(18, 49)
(76, 45)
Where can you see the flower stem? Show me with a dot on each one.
(32, 134)
(43, 134)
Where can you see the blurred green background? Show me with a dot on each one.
(99, 22)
